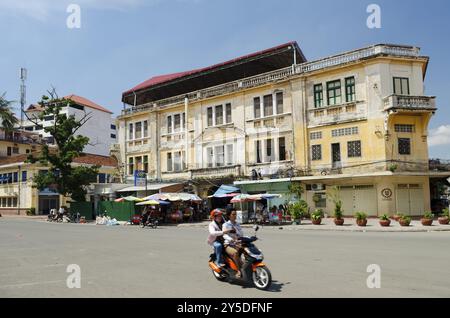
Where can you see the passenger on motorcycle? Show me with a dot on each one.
(215, 237)
(232, 244)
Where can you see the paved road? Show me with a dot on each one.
(126, 261)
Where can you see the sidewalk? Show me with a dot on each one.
(349, 226)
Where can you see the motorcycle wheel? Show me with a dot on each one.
(142, 224)
(262, 278)
(219, 277)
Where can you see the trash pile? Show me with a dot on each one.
(105, 220)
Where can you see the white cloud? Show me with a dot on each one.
(439, 136)
(42, 9)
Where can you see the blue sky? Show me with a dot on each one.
(123, 42)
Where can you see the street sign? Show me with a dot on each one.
(140, 178)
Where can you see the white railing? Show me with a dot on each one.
(280, 74)
(409, 102)
(216, 171)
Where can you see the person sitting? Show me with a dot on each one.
(232, 244)
(215, 237)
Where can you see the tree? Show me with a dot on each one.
(68, 180)
(7, 117)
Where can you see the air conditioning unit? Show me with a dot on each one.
(317, 187)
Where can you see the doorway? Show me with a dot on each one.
(46, 203)
(336, 155)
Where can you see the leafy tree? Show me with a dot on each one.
(68, 180)
(7, 117)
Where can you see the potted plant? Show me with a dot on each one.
(404, 220)
(397, 216)
(297, 210)
(338, 219)
(444, 218)
(316, 217)
(384, 220)
(31, 211)
(361, 218)
(427, 219)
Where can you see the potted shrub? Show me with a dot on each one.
(427, 219)
(404, 220)
(384, 220)
(361, 218)
(316, 217)
(397, 216)
(297, 210)
(31, 211)
(444, 218)
(338, 219)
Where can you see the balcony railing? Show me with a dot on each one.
(216, 171)
(405, 102)
(335, 114)
(284, 73)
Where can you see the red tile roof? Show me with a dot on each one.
(90, 159)
(76, 99)
(86, 102)
(168, 77)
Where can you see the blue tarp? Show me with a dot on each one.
(225, 189)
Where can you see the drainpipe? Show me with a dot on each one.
(18, 196)
(186, 142)
(158, 154)
(305, 125)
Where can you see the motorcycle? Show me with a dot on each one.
(149, 221)
(253, 269)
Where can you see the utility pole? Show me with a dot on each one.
(23, 93)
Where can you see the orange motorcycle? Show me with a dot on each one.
(253, 269)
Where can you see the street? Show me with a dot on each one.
(127, 261)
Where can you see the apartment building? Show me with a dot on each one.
(18, 142)
(356, 120)
(100, 128)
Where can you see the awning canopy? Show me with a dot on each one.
(150, 187)
(253, 197)
(128, 198)
(179, 196)
(149, 202)
(226, 191)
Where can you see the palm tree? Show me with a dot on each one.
(7, 117)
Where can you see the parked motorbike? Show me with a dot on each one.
(149, 221)
(253, 269)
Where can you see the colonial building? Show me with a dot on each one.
(17, 194)
(356, 120)
(100, 128)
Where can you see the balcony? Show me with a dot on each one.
(404, 103)
(337, 114)
(281, 74)
(216, 172)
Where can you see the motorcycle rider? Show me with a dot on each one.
(215, 237)
(232, 243)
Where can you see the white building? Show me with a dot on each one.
(100, 128)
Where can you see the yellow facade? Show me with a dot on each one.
(17, 194)
(377, 124)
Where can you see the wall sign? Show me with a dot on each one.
(386, 193)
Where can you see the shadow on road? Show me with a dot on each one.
(275, 287)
